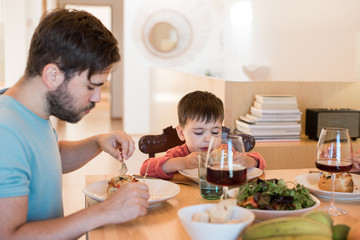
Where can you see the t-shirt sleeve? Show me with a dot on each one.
(155, 164)
(14, 169)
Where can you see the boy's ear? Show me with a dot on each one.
(52, 76)
(180, 133)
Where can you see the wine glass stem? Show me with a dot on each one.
(225, 192)
(332, 200)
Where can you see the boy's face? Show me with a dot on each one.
(197, 134)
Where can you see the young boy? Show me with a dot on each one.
(200, 116)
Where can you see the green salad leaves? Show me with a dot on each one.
(273, 194)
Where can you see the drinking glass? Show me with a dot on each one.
(225, 162)
(334, 154)
(207, 190)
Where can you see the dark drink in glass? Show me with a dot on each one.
(225, 163)
(334, 154)
(226, 176)
(332, 166)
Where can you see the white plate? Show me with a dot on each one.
(159, 190)
(310, 181)
(262, 215)
(193, 174)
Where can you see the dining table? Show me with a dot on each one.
(162, 222)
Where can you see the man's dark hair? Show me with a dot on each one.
(200, 106)
(73, 40)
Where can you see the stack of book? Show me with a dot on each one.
(273, 117)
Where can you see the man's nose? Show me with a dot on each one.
(96, 96)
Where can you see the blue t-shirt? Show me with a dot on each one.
(30, 162)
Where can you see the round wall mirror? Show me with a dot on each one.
(163, 37)
(167, 33)
(171, 32)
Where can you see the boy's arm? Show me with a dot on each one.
(156, 164)
(155, 168)
(180, 163)
(256, 160)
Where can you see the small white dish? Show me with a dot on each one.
(262, 215)
(159, 190)
(193, 174)
(310, 181)
(214, 231)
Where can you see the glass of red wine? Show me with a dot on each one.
(334, 155)
(225, 162)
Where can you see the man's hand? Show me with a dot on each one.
(127, 203)
(118, 144)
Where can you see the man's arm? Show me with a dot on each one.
(75, 154)
(129, 202)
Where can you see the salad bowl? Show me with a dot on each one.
(265, 214)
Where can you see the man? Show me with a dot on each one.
(70, 58)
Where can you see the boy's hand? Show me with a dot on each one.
(356, 162)
(191, 160)
(239, 157)
(245, 160)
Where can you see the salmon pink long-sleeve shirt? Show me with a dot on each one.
(155, 167)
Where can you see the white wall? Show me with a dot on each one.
(300, 40)
(306, 40)
(14, 33)
(2, 76)
(20, 19)
(137, 64)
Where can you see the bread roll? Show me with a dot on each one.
(222, 212)
(201, 217)
(343, 182)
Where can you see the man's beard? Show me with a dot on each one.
(61, 105)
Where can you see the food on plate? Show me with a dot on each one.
(116, 182)
(217, 152)
(343, 182)
(273, 194)
(220, 213)
(301, 227)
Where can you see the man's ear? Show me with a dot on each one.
(52, 76)
(180, 133)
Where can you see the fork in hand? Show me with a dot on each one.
(123, 168)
